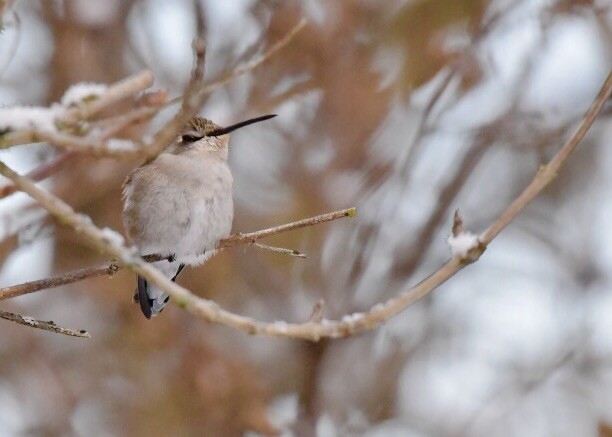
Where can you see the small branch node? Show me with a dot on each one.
(317, 312)
(464, 245)
(457, 223)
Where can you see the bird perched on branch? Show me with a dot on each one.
(179, 205)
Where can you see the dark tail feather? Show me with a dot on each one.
(146, 303)
(143, 297)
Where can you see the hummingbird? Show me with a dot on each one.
(179, 205)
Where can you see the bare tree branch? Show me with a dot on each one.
(115, 93)
(547, 173)
(119, 91)
(111, 268)
(111, 243)
(250, 237)
(47, 326)
(313, 329)
(104, 145)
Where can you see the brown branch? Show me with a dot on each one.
(240, 238)
(97, 144)
(547, 173)
(47, 326)
(192, 100)
(58, 281)
(115, 93)
(311, 330)
(111, 268)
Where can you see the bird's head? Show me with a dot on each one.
(202, 135)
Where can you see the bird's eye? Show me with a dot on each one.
(189, 138)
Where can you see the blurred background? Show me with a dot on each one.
(405, 109)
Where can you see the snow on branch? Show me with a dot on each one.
(463, 244)
(466, 247)
(47, 326)
(81, 93)
(317, 326)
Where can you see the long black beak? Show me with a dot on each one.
(233, 127)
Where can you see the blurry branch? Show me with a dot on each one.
(192, 102)
(483, 139)
(85, 110)
(547, 173)
(314, 329)
(196, 91)
(93, 145)
(228, 77)
(42, 172)
(47, 326)
(14, 42)
(208, 88)
(4, 4)
(119, 91)
(73, 136)
(112, 268)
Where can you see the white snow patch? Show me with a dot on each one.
(461, 244)
(80, 92)
(351, 318)
(112, 237)
(326, 427)
(116, 144)
(283, 411)
(29, 320)
(29, 117)
(281, 326)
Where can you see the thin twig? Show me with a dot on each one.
(111, 268)
(229, 77)
(311, 330)
(250, 237)
(290, 252)
(547, 173)
(57, 281)
(47, 326)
